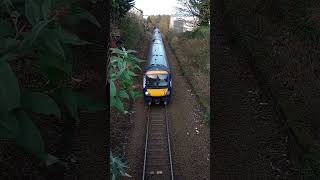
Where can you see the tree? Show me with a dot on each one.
(120, 8)
(198, 8)
(164, 23)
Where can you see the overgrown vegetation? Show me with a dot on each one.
(193, 52)
(120, 9)
(127, 30)
(38, 34)
(121, 72)
(132, 29)
(161, 21)
(281, 38)
(118, 167)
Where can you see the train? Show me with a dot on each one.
(157, 80)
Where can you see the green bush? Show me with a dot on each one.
(200, 32)
(118, 167)
(121, 71)
(36, 31)
(132, 30)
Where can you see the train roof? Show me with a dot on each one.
(157, 59)
(156, 67)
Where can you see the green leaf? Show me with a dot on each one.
(9, 126)
(122, 65)
(65, 96)
(32, 11)
(54, 75)
(54, 67)
(112, 101)
(6, 57)
(115, 59)
(40, 103)
(117, 51)
(131, 51)
(45, 8)
(135, 94)
(89, 103)
(55, 47)
(33, 35)
(10, 43)
(6, 3)
(29, 136)
(130, 73)
(123, 94)
(6, 29)
(118, 104)
(9, 88)
(4, 131)
(134, 59)
(113, 90)
(8, 47)
(48, 41)
(79, 14)
(70, 38)
(126, 82)
(135, 66)
(126, 77)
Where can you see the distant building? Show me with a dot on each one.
(183, 23)
(136, 12)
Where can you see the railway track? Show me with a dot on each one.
(157, 157)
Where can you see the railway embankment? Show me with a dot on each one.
(192, 51)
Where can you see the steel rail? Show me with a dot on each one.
(165, 150)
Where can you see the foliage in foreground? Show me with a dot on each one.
(121, 73)
(35, 31)
(118, 167)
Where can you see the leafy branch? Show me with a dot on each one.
(36, 30)
(121, 71)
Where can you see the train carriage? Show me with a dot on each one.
(157, 84)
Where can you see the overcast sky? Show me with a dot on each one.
(155, 7)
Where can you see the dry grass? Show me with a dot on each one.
(193, 53)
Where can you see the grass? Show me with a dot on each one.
(193, 53)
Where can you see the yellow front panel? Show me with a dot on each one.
(157, 92)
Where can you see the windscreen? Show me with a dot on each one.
(157, 80)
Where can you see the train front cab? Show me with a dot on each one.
(157, 87)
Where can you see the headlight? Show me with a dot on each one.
(168, 92)
(146, 93)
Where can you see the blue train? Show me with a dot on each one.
(157, 84)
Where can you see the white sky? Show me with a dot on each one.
(155, 7)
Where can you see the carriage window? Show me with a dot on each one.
(163, 79)
(160, 80)
(151, 80)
